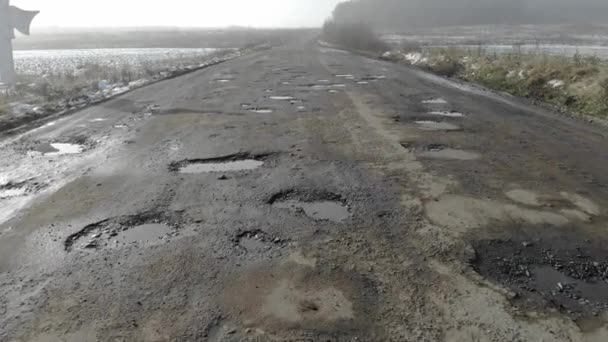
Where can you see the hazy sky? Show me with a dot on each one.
(203, 13)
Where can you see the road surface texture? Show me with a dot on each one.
(305, 193)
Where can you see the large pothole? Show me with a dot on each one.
(565, 275)
(67, 146)
(231, 163)
(141, 229)
(318, 205)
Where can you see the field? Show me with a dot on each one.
(60, 71)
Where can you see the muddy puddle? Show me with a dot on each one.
(261, 110)
(435, 101)
(436, 126)
(139, 230)
(231, 163)
(447, 114)
(53, 149)
(563, 273)
(231, 166)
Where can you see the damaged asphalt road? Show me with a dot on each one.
(305, 193)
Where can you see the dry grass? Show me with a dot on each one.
(582, 82)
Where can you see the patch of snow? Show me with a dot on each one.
(413, 57)
(556, 83)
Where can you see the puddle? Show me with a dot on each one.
(144, 233)
(435, 101)
(448, 114)
(261, 110)
(563, 272)
(437, 126)
(321, 210)
(549, 279)
(281, 98)
(232, 166)
(231, 163)
(59, 149)
(146, 228)
(449, 153)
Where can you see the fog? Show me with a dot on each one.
(178, 13)
(393, 14)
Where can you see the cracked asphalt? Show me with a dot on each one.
(305, 193)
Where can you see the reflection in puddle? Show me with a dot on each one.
(238, 165)
(144, 233)
(322, 210)
(437, 126)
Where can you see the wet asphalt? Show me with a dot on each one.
(305, 192)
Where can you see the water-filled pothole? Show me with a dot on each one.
(435, 101)
(230, 163)
(436, 126)
(52, 149)
(142, 229)
(320, 206)
(447, 114)
(569, 274)
(261, 110)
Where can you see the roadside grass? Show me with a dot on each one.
(577, 84)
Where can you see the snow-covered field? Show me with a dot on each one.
(41, 62)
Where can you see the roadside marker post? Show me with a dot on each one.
(11, 19)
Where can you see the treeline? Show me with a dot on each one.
(395, 14)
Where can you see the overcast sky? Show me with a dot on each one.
(187, 13)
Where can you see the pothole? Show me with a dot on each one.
(435, 101)
(447, 114)
(436, 126)
(569, 276)
(257, 241)
(320, 206)
(232, 163)
(261, 110)
(142, 229)
(450, 153)
(72, 145)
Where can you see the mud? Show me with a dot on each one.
(570, 276)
